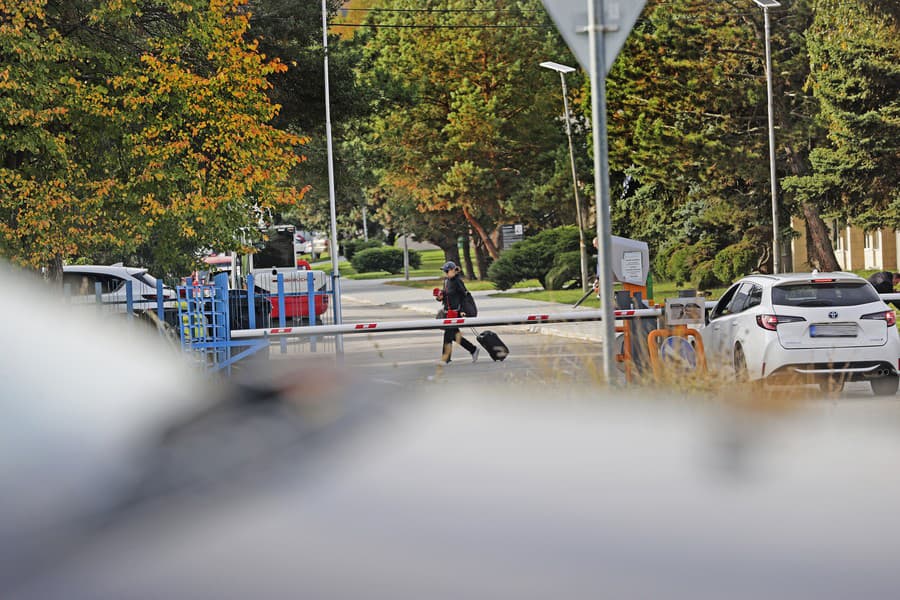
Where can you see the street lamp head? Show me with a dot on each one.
(558, 67)
(767, 3)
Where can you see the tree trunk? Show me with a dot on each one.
(482, 258)
(819, 250)
(482, 234)
(451, 252)
(55, 269)
(467, 258)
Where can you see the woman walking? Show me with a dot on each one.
(452, 297)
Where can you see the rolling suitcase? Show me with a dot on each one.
(491, 342)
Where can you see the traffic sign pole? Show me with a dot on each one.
(596, 28)
(608, 24)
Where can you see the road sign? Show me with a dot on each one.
(607, 24)
(679, 354)
(510, 234)
(571, 18)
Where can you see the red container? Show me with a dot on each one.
(298, 306)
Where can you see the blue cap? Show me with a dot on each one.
(449, 265)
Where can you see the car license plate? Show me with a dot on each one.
(832, 330)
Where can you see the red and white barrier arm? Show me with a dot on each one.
(421, 324)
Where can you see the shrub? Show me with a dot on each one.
(705, 276)
(534, 257)
(415, 259)
(679, 265)
(681, 262)
(566, 267)
(735, 261)
(351, 247)
(384, 259)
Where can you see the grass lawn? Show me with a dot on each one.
(432, 261)
(661, 291)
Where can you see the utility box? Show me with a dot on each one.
(630, 261)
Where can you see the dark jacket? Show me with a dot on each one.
(454, 292)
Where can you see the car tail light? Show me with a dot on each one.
(167, 295)
(771, 322)
(886, 315)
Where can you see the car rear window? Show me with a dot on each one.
(145, 278)
(824, 294)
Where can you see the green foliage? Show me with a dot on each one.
(351, 247)
(688, 122)
(292, 31)
(854, 58)
(135, 130)
(467, 124)
(384, 259)
(534, 257)
(734, 262)
(566, 267)
(682, 263)
(704, 276)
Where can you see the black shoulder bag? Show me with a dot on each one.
(468, 305)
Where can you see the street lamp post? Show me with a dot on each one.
(335, 272)
(562, 70)
(776, 235)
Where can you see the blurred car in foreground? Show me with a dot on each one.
(299, 480)
(823, 328)
(82, 283)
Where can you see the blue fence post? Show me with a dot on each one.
(160, 300)
(338, 318)
(333, 303)
(311, 306)
(221, 291)
(311, 297)
(251, 300)
(282, 323)
(129, 300)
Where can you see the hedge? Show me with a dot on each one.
(385, 258)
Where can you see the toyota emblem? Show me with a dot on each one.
(832, 315)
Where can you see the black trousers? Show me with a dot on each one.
(454, 335)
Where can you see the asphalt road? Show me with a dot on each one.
(406, 359)
(403, 359)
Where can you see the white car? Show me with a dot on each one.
(796, 328)
(82, 283)
(317, 245)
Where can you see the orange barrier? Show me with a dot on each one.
(682, 331)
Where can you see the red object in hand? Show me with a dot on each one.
(436, 292)
(452, 314)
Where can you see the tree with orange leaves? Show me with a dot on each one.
(135, 130)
